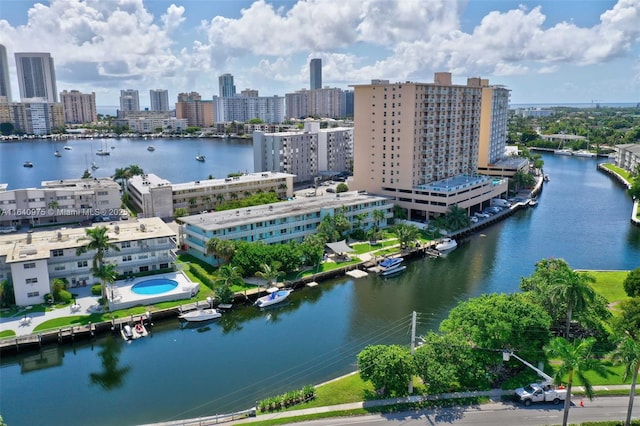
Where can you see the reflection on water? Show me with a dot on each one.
(112, 375)
(250, 354)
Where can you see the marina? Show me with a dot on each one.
(319, 330)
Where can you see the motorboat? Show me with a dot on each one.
(151, 148)
(584, 153)
(563, 152)
(533, 202)
(68, 148)
(272, 298)
(200, 157)
(546, 178)
(57, 154)
(102, 152)
(132, 333)
(391, 265)
(200, 315)
(27, 164)
(446, 245)
(94, 166)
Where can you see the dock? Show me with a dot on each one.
(356, 273)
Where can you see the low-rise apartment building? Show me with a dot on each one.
(280, 223)
(59, 202)
(154, 196)
(33, 260)
(628, 156)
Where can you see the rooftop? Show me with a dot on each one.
(38, 244)
(455, 183)
(236, 217)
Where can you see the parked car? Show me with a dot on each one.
(331, 190)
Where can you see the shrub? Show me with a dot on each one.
(202, 275)
(63, 296)
(96, 290)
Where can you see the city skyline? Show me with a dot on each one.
(545, 52)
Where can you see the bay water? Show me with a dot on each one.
(249, 354)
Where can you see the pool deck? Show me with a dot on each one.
(122, 297)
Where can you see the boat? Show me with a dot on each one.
(272, 298)
(94, 166)
(57, 154)
(27, 164)
(584, 153)
(102, 152)
(446, 245)
(546, 178)
(68, 148)
(151, 148)
(563, 152)
(391, 265)
(135, 332)
(200, 315)
(533, 202)
(200, 157)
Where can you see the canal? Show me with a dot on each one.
(582, 217)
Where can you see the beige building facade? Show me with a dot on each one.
(419, 144)
(79, 107)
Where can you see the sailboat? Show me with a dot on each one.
(102, 152)
(57, 154)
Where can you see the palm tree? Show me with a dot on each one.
(575, 359)
(407, 234)
(135, 170)
(627, 354)
(378, 217)
(107, 274)
(224, 249)
(227, 276)
(270, 273)
(100, 242)
(572, 288)
(457, 218)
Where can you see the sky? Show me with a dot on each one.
(545, 51)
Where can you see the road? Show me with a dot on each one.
(600, 409)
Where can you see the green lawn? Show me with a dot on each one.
(609, 285)
(7, 333)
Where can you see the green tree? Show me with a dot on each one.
(575, 359)
(627, 322)
(494, 321)
(6, 128)
(100, 242)
(521, 180)
(627, 354)
(107, 274)
(448, 363)
(631, 283)
(572, 289)
(223, 249)
(457, 218)
(407, 234)
(327, 229)
(389, 368)
(342, 187)
(7, 296)
(341, 223)
(227, 277)
(312, 249)
(269, 273)
(180, 212)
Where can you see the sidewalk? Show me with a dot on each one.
(86, 304)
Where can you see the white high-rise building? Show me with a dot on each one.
(159, 99)
(36, 76)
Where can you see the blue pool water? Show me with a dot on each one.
(154, 286)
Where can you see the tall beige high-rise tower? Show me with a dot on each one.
(79, 107)
(419, 142)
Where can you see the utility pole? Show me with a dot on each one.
(413, 345)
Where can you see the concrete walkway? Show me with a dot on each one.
(86, 304)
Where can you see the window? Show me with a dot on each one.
(30, 265)
(125, 244)
(164, 266)
(31, 280)
(126, 258)
(144, 268)
(33, 294)
(83, 264)
(59, 268)
(57, 253)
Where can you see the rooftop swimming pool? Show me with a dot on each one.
(154, 286)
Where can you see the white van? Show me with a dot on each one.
(499, 202)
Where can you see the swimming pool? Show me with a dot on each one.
(154, 286)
